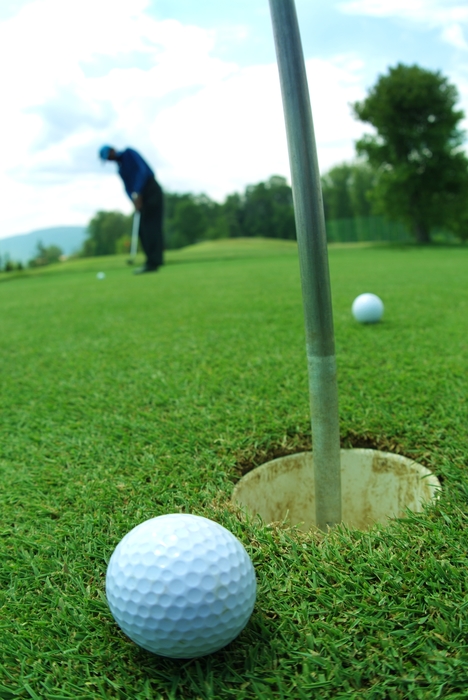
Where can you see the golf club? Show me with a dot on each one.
(135, 229)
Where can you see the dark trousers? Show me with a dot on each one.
(151, 223)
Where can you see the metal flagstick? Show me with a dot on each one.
(313, 259)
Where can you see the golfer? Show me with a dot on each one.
(147, 197)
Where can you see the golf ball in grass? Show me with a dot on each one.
(101, 275)
(367, 308)
(181, 586)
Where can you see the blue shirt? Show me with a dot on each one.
(133, 170)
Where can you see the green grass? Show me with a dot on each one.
(131, 397)
(225, 249)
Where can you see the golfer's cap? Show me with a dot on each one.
(104, 152)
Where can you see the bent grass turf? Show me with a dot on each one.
(129, 397)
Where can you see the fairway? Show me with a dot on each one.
(130, 397)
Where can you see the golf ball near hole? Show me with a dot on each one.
(367, 308)
(180, 586)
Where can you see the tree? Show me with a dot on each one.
(335, 192)
(189, 221)
(45, 255)
(346, 190)
(265, 209)
(268, 210)
(233, 214)
(423, 172)
(187, 218)
(104, 231)
(361, 186)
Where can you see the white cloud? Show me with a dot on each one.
(382, 8)
(206, 125)
(448, 15)
(453, 34)
(422, 10)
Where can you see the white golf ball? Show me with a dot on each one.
(367, 308)
(181, 586)
(100, 275)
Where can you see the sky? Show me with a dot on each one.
(193, 86)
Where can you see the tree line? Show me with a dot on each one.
(43, 255)
(263, 210)
(412, 170)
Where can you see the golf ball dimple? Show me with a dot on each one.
(180, 586)
(367, 308)
(101, 275)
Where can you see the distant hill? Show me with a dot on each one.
(23, 246)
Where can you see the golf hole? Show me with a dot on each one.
(375, 487)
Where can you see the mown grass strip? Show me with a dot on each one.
(129, 397)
